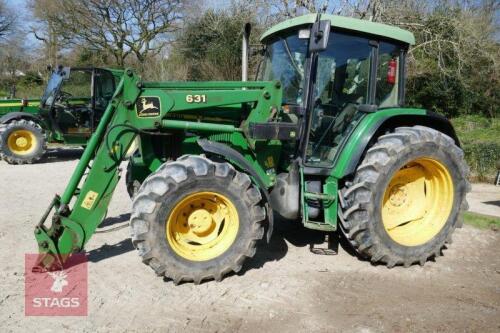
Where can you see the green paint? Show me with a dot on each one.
(16, 105)
(342, 22)
(196, 126)
(330, 211)
(360, 132)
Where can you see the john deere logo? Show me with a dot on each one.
(148, 107)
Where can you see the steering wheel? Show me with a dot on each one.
(62, 98)
(63, 95)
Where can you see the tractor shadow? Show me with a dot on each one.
(294, 233)
(114, 220)
(61, 155)
(492, 203)
(286, 233)
(107, 251)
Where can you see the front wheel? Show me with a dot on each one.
(195, 219)
(406, 196)
(22, 141)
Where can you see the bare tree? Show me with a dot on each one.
(6, 20)
(45, 29)
(120, 27)
(361, 8)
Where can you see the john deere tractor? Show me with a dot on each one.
(322, 138)
(68, 112)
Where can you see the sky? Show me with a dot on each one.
(21, 8)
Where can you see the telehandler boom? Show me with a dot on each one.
(322, 137)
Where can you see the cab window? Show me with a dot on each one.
(284, 60)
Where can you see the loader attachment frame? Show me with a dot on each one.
(72, 228)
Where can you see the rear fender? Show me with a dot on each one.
(377, 124)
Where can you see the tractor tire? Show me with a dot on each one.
(404, 202)
(22, 142)
(195, 219)
(132, 184)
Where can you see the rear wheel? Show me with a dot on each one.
(22, 141)
(406, 196)
(195, 219)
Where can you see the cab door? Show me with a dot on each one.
(342, 84)
(354, 75)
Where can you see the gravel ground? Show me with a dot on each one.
(485, 199)
(284, 288)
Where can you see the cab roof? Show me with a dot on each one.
(348, 23)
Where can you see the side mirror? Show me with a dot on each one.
(320, 32)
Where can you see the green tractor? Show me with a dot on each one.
(68, 112)
(322, 137)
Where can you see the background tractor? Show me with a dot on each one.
(322, 137)
(67, 113)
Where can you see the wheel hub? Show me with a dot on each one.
(398, 195)
(417, 202)
(21, 142)
(202, 226)
(200, 221)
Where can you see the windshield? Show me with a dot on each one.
(284, 60)
(52, 86)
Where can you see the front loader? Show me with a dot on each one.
(322, 138)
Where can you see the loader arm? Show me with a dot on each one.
(72, 227)
(84, 203)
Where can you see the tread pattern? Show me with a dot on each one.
(163, 183)
(356, 203)
(29, 124)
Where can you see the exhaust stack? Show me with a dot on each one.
(244, 50)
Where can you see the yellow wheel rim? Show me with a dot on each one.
(22, 142)
(202, 226)
(417, 202)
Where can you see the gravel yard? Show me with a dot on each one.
(285, 287)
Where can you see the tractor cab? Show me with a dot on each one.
(335, 70)
(75, 99)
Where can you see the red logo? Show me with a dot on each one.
(57, 293)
